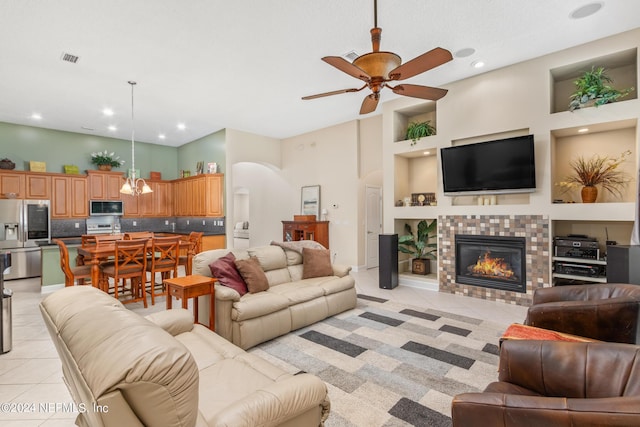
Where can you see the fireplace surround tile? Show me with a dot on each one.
(534, 228)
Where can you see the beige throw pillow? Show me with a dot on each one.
(316, 263)
(252, 274)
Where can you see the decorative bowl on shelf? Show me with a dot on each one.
(7, 164)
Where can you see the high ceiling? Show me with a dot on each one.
(241, 64)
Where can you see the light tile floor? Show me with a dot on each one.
(32, 392)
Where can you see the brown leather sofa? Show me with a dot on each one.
(122, 369)
(605, 312)
(556, 383)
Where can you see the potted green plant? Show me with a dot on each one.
(597, 170)
(592, 88)
(419, 246)
(417, 130)
(105, 160)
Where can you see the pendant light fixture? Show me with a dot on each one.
(134, 186)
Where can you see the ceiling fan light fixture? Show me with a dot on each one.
(378, 64)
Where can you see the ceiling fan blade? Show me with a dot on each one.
(420, 64)
(334, 92)
(423, 92)
(347, 67)
(369, 104)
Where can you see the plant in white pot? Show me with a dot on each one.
(420, 245)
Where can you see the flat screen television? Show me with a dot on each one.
(492, 167)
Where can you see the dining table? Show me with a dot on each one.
(97, 253)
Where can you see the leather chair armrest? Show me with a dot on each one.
(224, 293)
(341, 270)
(277, 403)
(175, 321)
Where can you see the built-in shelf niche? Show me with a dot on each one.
(622, 68)
(603, 139)
(404, 260)
(416, 172)
(419, 113)
(617, 231)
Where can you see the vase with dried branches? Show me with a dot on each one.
(602, 171)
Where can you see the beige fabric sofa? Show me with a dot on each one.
(290, 303)
(126, 370)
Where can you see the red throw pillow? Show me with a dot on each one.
(224, 269)
(252, 274)
(316, 263)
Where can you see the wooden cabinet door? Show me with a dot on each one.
(79, 200)
(38, 186)
(214, 196)
(113, 184)
(163, 198)
(12, 182)
(104, 185)
(146, 202)
(131, 205)
(61, 200)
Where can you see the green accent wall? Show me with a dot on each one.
(22, 144)
(211, 148)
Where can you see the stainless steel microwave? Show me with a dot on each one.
(106, 207)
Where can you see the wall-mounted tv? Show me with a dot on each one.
(492, 167)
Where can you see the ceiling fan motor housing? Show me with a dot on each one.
(378, 64)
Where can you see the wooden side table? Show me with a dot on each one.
(193, 286)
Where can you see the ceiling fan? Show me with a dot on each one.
(377, 69)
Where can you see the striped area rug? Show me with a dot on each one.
(389, 365)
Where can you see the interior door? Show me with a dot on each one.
(373, 224)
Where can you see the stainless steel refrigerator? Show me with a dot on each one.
(24, 224)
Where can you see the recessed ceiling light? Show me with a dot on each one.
(477, 64)
(583, 130)
(463, 53)
(586, 10)
(107, 112)
(162, 136)
(426, 153)
(112, 128)
(36, 116)
(182, 126)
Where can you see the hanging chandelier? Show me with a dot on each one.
(133, 185)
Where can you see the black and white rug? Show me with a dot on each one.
(387, 364)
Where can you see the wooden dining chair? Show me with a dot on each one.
(130, 263)
(195, 246)
(163, 260)
(138, 235)
(71, 274)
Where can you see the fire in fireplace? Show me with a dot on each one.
(491, 261)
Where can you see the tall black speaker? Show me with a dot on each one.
(623, 264)
(388, 262)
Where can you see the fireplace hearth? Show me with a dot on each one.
(496, 262)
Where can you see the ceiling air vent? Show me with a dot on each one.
(67, 57)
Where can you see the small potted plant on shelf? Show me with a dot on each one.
(105, 160)
(419, 246)
(417, 130)
(592, 88)
(597, 171)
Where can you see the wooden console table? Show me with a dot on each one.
(306, 230)
(194, 286)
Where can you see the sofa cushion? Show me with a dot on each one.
(316, 263)
(297, 292)
(224, 269)
(260, 304)
(252, 274)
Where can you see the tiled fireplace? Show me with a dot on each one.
(498, 258)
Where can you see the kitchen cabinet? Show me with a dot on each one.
(37, 186)
(200, 195)
(12, 182)
(213, 242)
(69, 197)
(156, 204)
(104, 185)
